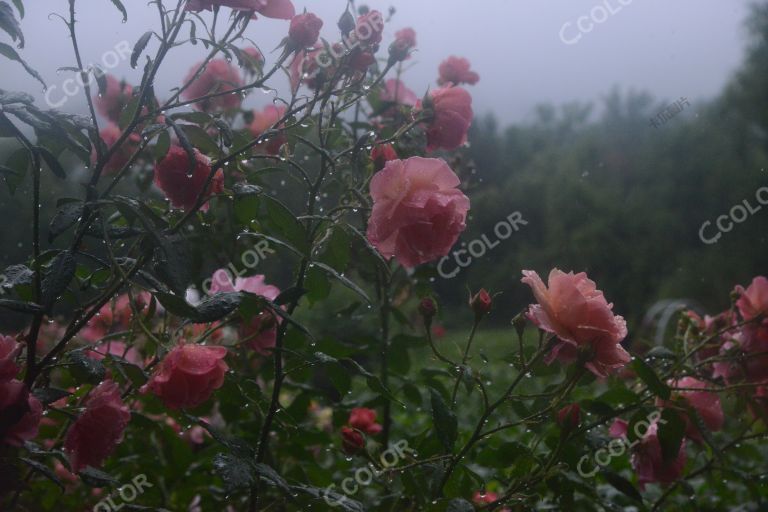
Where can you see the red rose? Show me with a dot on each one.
(20, 413)
(382, 154)
(351, 440)
(115, 98)
(188, 375)
(481, 303)
(171, 176)
(569, 417)
(99, 429)
(451, 119)
(280, 9)
(218, 76)
(9, 349)
(304, 30)
(455, 70)
(364, 419)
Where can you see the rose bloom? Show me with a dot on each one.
(706, 403)
(9, 349)
(395, 91)
(455, 70)
(188, 375)
(20, 413)
(115, 315)
(305, 30)
(485, 498)
(99, 429)
(218, 76)
(265, 120)
(647, 459)
(451, 119)
(172, 178)
(279, 9)
(364, 419)
(110, 134)
(381, 154)
(351, 440)
(369, 29)
(418, 210)
(573, 309)
(116, 96)
(753, 301)
(405, 41)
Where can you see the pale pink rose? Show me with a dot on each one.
(395, 91)
(418, 210)
(188, 375)
(753, 301)
(279, 9)
(451, 118)
(20, 412)
(573, 309)
(9, 349)
(218, 76)
(706, 403)
(267, 119)
(99, 429)
(455, 70)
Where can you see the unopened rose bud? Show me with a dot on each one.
(481, 303)
(346, 23)
(351, 440)
(519, 323)
(382, 154)
(427, 309)
(569, 417)
(304, 30)
(400, 49)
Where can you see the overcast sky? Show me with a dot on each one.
(669, 48)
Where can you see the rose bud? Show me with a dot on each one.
(382, 154)
(172, 177)
(9, 349)
(569, 417)
(481, 303)
(188, 375)
(364, 419)
(451, 117)
(351, 440)
(20, 413)
(400, 49)
(427, 309)
(346, 23)
(99, 429)
(304, 30)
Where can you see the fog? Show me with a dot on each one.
(522, 49)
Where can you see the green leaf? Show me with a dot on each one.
(622, 485)
(342, 279)
(44, 470)
(20, 6)
(341, 501)
(121, 7)
(283, 221)
(200, 139)
(17, 275)
(271, 476)
(444, 420)
(50, 395)
(234, 471)
(671, 432)
(648, 375)
(20, 306)
(217, 307)
(459, 505)
(8, 52)
(93, 477)
(66, 217)
(85, 369)
(139, 47)
(9, 24)
(52, 162)
(162, 146)
(58, 275)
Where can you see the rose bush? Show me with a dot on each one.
(116, 359)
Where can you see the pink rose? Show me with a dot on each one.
(706, 404)
(114, 100)
(218, 76)
(9, 349)
(304, 30)
(574, 310)
(405, 41)
(753, 301)
(99, 429)
(649, 463)
(188, 375)
(418, 210)
(171, 177)
(110, 135)
(279, 9)
(395, 91)
(452, 116)
(352, 441)
(369, 29)
(20, 413)
(265, 120)
(364, 419)
(455, 70)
